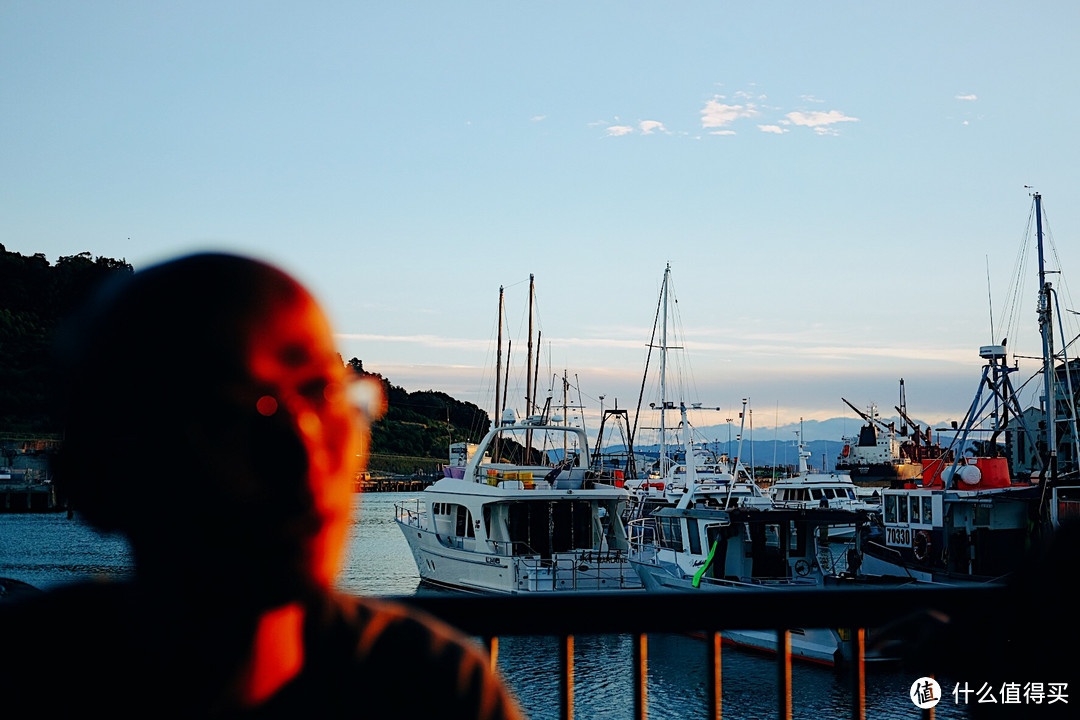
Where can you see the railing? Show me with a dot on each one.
(589, 570)
(639, 614)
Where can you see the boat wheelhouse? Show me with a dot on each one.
(698, 548)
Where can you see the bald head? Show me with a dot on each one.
(145, 364)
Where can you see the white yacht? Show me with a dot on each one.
(833, 490)
(520, 512)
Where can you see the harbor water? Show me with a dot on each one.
(47, 550)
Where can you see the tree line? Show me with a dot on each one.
(36, 296)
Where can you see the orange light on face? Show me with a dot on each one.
(291, 354)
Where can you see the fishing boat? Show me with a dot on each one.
(695, 546)
(526, 515)
(809, 489)
(880, 455)
(967, 517)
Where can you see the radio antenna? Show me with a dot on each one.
(990, 300)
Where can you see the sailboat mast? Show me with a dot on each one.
(498, 361)
(1046, 327)
(663, 373)
(742, 427)
(528, 352)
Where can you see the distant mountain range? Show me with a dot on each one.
(779, 446)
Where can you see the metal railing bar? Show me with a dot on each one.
(783, 673)
(858, 673)
(639, 613)
(636, 612)
(641, 674)
(566, 678)
(716, 699)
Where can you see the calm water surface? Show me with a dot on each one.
(48, 550)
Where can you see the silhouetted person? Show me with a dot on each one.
(209, 421)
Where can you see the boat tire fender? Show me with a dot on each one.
(921, 545)
(802, 568)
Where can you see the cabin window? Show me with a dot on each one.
(797, 534)
(815, 494)
(916, 510)
(902, 510)
(572, 525)
(692, 536)
(890, 509)
(464, 525)
(670, 534)
(530, 529)
(928, 510)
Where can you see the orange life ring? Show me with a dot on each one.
(921, 545)
(847, 450)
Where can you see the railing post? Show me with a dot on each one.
(858, 673)
(493, 652)
(641, 654)
(716, 701)
(566, 678)
(783, 672)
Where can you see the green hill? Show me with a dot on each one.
(419, 426)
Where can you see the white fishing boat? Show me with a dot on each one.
(526, 515)
(818, 489)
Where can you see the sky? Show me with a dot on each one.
(841, 189)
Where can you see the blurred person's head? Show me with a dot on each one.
(208, 419)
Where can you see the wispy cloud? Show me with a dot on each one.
(721, 113)
(821, 122)
(433, 341)
(970, 97)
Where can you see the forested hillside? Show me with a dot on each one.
(423, 423)
(35, 296)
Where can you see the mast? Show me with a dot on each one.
(566, 411)
(691, 466)
(498, 361)
(663, 371)
(1046, 329)
(528, 353)
(742, 426)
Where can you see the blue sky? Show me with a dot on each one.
(838, 186)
